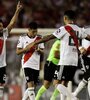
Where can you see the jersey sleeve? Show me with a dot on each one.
(83, 33)
(20, 42)
(5, 33)
(59, 33)
(41, 45)
(85, 43)
(87, 31)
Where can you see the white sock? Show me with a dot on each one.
(31, 93)
(89, 88)
(25, 95)
(63, 97)
(1, 92)
(81, 85)
(64, 91)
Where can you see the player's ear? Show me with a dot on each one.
(65, 17)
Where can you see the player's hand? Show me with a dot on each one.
(38, 50)
(83, 51)
(19, 6)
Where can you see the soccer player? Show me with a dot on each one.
(85, 50)
(68, 50)
(51, 69)
(4, 33)
(30, 59)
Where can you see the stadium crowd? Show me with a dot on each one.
(47, 13)
(44, 11)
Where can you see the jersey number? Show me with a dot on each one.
(71, 42)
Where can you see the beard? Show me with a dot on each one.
(1, 33)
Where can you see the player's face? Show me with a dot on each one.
(1, 29)
(32, 32)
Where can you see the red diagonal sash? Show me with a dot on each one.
(73, 35)
(1, 45)
(29, 53)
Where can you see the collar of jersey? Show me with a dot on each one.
(30, 36)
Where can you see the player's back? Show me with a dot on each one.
(69, 54)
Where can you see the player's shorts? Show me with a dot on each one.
(66, 73)
(50, 71)
(3, 76)
(87, 64)
(31, 75)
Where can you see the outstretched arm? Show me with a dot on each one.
(44, 39)
(15, 17)
(20, 51)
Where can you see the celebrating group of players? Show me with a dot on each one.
(61, 63)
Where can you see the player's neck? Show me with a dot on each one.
(30, 36)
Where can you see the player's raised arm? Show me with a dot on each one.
(15, 17)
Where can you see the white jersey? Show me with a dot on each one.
(85, 44)
(32, 58)
(3, 48)
(68, 51)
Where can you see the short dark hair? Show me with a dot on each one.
(1, 21)
(32, 25)
(70, 14)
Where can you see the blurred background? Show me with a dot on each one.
(48, 14)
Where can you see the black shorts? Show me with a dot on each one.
(67, 73)
(87, 64)
(31, 75)
(3, 76)
(50, 71)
